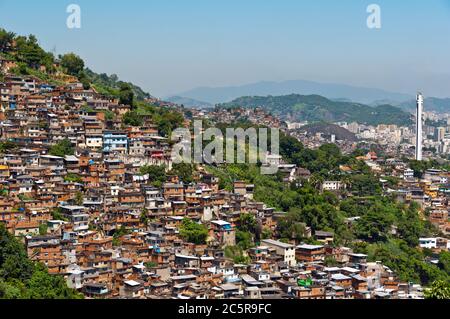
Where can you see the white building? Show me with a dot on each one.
(429, 243)
(419, 128)
(332, 186)
(285, 250)
(408, 174)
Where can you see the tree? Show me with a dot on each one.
(72, 63)
(31, 54)
(365, 185)
(444, 261)
(132, 118)
(143, 217)
(6, 39)
(151, 264)
(126, 94)
(156, 174)
(244, 239)
(439, 290)
(291, 227)
(169, 121)
(410, 227)
(79, 198)
(247, 223)
(184, 171)
(236, 253)
(266, 233)
(43, 229)
(73, 178)
(83, 78)
(118, 233)
(62, 149)
(375, 225)
(193, 232)
(7, 146)
(21, 278)
(58, 215)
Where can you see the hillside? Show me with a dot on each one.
(187, 102)
(430, 104)
(30, 59)
(215, 95)
(330, 129)
(315, 108)
(110, 84)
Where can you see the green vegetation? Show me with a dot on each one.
(315, 108)
(193, 232)
(183, 171)
(109, 85)
(150, 264)
(386, 231)
(21, 278)
(247, 232)
(62, 149)
(165, 119)
(126, 94)
(79, 198)
(6, 39)
(157, 174)
(122, 231)
(407, 262)
(72, 63)
(7, 146)
(30, 53)
(143, 217)
(440, 290)
(419, 167)
(236, 253)
(58, 215)
(132, 118)
(43, 228)
(73, 178)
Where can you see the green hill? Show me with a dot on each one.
(315, 108)
(32, 60)
(431, 104)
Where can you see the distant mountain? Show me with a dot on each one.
(330, 129)
(315, 108)
(329, 90)
(187, 102)
(430, 104)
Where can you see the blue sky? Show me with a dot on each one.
(169, 46)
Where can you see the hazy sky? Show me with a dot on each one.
(169, 46)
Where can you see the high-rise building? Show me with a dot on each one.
(440, 134)
(419, 128)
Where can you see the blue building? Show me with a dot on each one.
(115, 142)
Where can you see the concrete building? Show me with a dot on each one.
(283, 249)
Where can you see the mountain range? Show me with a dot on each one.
(188, 102)
(215, 95)
(430, 104)
(315, 108)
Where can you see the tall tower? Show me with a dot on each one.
(419, 129)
